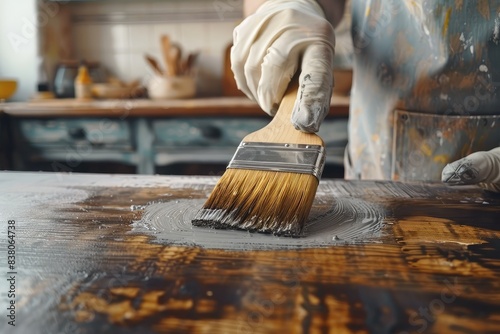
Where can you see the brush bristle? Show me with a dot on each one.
(262, 201)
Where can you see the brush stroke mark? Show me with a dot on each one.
(331, 222)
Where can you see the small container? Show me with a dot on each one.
(7, 88)
(83, 83)
(64, 79)
(178, 87)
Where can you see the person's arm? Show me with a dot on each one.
(279, 38)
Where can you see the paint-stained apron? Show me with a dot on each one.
(425, 89)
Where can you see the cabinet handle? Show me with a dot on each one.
(77, 133)
(210, 132)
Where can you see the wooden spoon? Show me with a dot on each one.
(191, 60)
(175, 56)
(165, 48)
(154, 64)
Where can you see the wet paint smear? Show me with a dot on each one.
(335, 221)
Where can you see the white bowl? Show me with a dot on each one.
(171, 87)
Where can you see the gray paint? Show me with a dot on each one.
(332, 222)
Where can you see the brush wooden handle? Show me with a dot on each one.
(281, 129)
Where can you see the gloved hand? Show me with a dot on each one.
(482, 168)
(268, 48)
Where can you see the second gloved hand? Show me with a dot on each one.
(482, 168)
(270, 45)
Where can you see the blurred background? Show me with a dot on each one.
(115, 33)
(156, 73)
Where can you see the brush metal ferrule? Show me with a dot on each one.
(293, 158)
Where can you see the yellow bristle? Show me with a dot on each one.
(262, 201)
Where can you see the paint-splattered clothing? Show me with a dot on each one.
(426, 86)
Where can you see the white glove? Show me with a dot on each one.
(271, 44)
(482, 168)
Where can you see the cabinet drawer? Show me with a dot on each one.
(205, 131)
(106, 133)
(229, 132)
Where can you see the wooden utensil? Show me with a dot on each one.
(190, 61)
(154, 64)
(167, 58)
(229, 87)
(172, 54)
(175, 55)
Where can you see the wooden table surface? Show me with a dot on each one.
(106, 254)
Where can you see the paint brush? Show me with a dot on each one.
(270, 183)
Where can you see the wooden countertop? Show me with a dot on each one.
(92, 256)
(217, 106)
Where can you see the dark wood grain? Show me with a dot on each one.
(434, 266)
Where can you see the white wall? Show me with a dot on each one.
(18, 45)
(118, 34)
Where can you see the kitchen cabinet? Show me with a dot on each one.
(66, 143)
(54, 132)
(117, 254)
(143, 135)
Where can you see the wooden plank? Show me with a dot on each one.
(103, 253)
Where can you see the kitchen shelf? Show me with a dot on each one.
(215, 106)
(145, 134)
